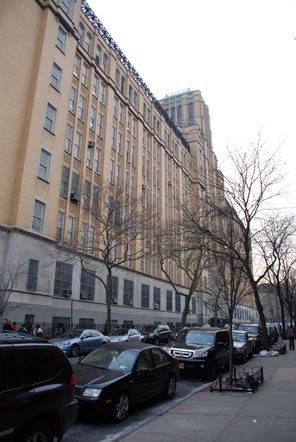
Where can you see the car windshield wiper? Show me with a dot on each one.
(94, 366)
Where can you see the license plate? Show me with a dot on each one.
(181, 365)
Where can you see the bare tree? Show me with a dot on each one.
(276, 241)
(8, 279)
(248, 191)
(120, 236)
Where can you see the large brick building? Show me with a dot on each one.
(75, 114)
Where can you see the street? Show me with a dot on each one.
(107, 431)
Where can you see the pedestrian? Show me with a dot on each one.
(290, 336)
(38, 331)
(29, 328)
(13, 326)
(6, 325)
(23, 329)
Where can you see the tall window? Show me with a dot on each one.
(63, 279)
(113, 137)
(68, 139)
(70, 232)
(77, 146)
(112, 171)
(122, 86)
(38, 216)
(191, 113)
(119, 143)
(128, 292)
(105, 63)
(84, 75)
(75, 182)
(97, 160)
(95, 201)
(178, 302)
(72, 103)
(120, 113)
(60, 227)
(132, 186)
(32, 275)
(87, 42)
(118, 174)
(89, 158)
(44, 164)
(80, 33)
(114, 288)
(83, 236)
(92, 239)
(65, 182)
(156, 297)
(81, 108)
(61, 39)
(179, 114)
(56, 76)
(86, 199)
(76, 68)
(128, 148)
(145, 296)
(95, 86)
(98, 55)
(169, 300)
(115, 107)
(87, 285)
(50, 118)
(133, 156)
(92, 118)
(102, 93)
(100, 125)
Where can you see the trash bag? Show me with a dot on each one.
(274, 353)
(264, 353)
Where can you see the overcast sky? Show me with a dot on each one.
(241, 55)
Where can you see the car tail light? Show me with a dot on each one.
(72, 385)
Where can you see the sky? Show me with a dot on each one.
(241, 55)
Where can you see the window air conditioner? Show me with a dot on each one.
(169, 183)
(114, 301)
(83, 296)
(131, 302)
(156, 306)
(67, 293)
(91, 144)
(143, 186)
(75, 197)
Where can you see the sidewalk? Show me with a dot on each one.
(267, 415)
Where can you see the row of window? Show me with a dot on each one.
(63, 287)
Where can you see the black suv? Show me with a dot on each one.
(36, 390)
(156, 334)
(204, 350)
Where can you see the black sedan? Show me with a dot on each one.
(118, 375)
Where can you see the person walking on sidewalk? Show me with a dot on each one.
(290, 336)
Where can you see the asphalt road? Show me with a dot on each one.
(108, 431)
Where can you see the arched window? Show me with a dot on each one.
(81, 33)
(173, 114)
(179, 116)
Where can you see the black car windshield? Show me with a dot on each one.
(114, 359)
(249, 328)
(195, 337)
(119, 332)
(238, 337)
(71, 334)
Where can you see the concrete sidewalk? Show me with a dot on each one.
(269, 415)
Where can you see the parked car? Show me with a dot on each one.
(156, 334)
(36, 390)
(126, 334)
(75, 342)
(202, 350)
(243, 346)
(118, 375)
(255, 332)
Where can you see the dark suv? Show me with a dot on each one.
(205, 351)
(255, 332)
(36, 390)
(157, 334)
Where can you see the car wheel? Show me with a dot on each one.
(213, 372)
(121, 407)
(75, 351)
(35, 431)
(156, 341)
(170, 390)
